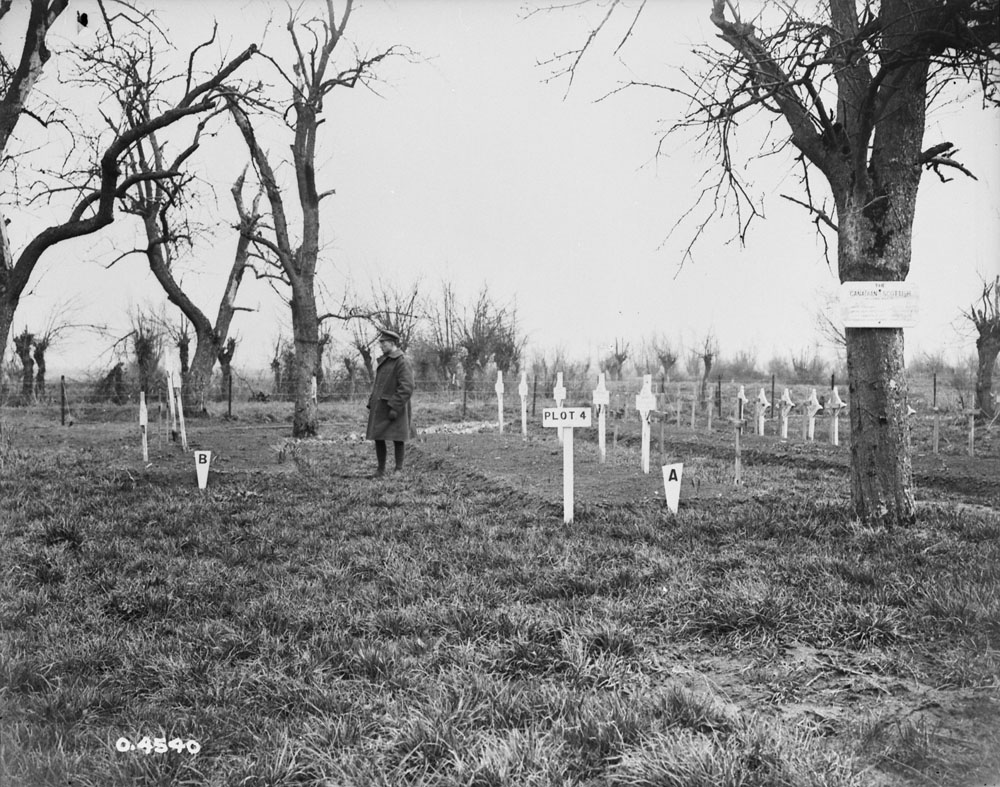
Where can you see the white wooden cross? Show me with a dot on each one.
(559, 394)
(835, 404)
(741, 402)
(566, 419)
(784, 408)
(812, 406)
(645, 402)
(602, 398)
(499, 389)
(143, 424)
(522, 391)
(760, 411)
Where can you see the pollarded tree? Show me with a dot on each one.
(849, 82)
(986, 318)
(97, 185)
(131, 75)
(314, 75)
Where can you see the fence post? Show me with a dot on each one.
(62, 400)
(230, 410)
(773, 414)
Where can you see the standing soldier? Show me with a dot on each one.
(389, 403)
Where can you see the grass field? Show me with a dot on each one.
(299, 623)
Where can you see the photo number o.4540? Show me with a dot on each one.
(149, 745)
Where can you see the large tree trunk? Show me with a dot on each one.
(881, 469)
(987, 347)
(199, 375)
(305, 331)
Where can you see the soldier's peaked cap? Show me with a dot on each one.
(385, 333)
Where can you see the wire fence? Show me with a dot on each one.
(62, 392)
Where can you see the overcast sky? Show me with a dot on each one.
(467, 166)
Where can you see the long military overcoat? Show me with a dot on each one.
(391, 394)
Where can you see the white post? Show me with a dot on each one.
(143, 424)
(566, 420)
(170, 403)
(602, 398)
(812, 406)
(559, 394)
(972, 431)
(835, 405)
(180, 412)
(314, 392)
(645, 401)
(522, 391)
(784, 408)
(499, 389)
(741, 402)
(760, 411)
(567, 438)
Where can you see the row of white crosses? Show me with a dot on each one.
(811, 407)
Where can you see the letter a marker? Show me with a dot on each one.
(672, 484)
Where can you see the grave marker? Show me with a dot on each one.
(741, 400)
(559, 394)
(784, 408)
(170, 403)
(522, 391)
(566, 420)
(202, 459)
(812, 406)
(760, 411)
(602, 398)
(835, 404)
(645, 402)
(672, 485)
(499, 389)
(143, 424)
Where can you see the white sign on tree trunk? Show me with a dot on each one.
(645, 403)
(567, 419)
(602, 398)
(878, 304)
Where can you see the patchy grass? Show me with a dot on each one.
(313, 626)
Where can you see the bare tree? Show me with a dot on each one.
(313, 77)
(614, 362)
(22, 348)
(131, 74)
(665, 352)
(443, 322)
(709, 352)
(99, 186)
(849, 84)
(986, 318)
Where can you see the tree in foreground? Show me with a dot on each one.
(315, 74)
(97, 185)
(847, 84)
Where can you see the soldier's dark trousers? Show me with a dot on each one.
(382, 453)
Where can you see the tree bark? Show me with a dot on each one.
(305, 331)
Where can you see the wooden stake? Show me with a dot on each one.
(143, 423)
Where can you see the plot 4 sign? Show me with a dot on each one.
(567, 417)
